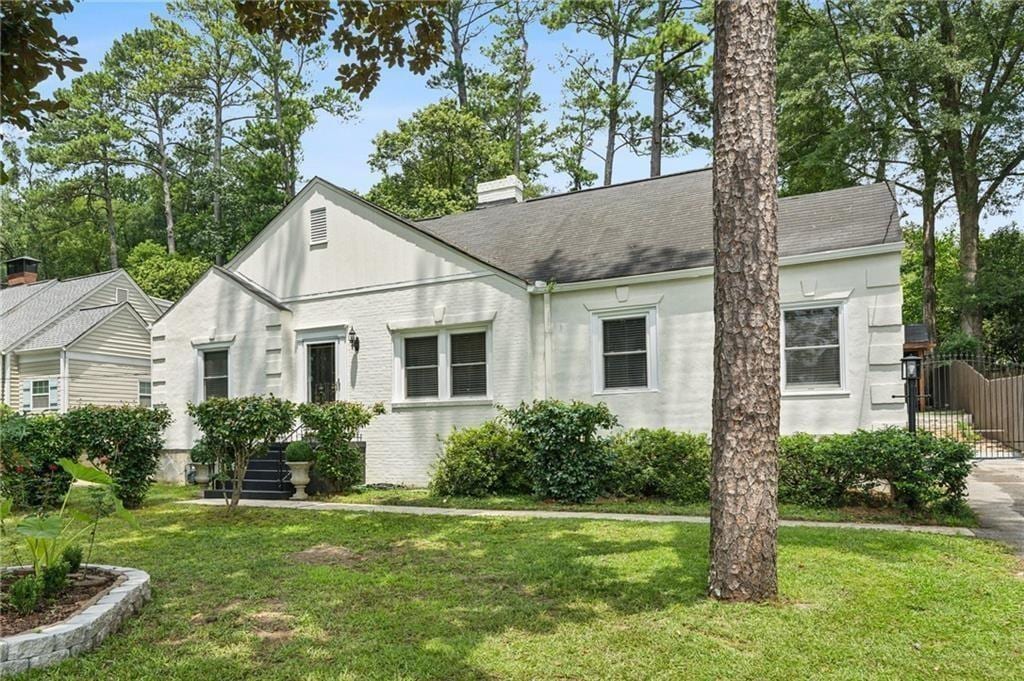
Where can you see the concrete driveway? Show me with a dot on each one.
(995, 492)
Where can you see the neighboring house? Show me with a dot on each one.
(599, 295)
(65, 343)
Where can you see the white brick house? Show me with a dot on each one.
(604, 294)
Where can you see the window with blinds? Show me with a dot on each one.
(421, 367)
(811, 347)
(318, 226)
(469, 364)
(625, 352)
(215, 373)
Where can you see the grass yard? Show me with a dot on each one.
(869, 514)
(403, 597)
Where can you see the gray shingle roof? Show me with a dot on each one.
(652, 225)
(69, 327)
(46, 305)
(12, 296)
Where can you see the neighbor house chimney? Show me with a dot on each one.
(23, 270)
(497, 192)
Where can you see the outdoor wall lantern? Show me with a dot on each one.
(353, 339)
(910, 366)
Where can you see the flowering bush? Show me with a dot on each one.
(30, 450)
(124, 441)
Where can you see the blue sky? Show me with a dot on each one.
(338, 151)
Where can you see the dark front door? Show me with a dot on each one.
(322, 376)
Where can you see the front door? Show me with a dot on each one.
(321, 372)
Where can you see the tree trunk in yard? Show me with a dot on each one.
(745, 399)
(218, 141)
(165, 182)
(613, 118)
(658, 112)
(929, 299)
(108, 207)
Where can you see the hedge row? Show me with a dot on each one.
(124, 441)
(565, 451)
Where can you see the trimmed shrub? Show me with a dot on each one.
(55, 578)
(333, 426)
(298, 451)
(73, 555)
(660, 463)
(30, 450)
(817, 472)
(25, 594)
(570, 459)
(920, 469)
(124, 441)
(488, 459)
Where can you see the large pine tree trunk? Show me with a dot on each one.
(165, 184)
(612, 115)
(745, 400)
(108, 209)
(658, 108)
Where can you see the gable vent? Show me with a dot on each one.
(318, 226)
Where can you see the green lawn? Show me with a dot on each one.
(494, 598)
(423, 497)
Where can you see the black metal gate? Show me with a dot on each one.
(974, 399)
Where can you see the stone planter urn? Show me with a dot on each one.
(202, 474)
(300, 477)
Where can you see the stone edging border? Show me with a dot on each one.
(82, 631)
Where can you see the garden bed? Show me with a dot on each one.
(75, 622)
(84, 588)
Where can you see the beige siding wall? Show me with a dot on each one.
(107, 295)
(104, 383)
(120, 335)
(13, 395)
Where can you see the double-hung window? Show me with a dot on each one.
(146, 393)
(215, 373)
(625, 350)
(41, 395)
(449, 364)
(812, 348)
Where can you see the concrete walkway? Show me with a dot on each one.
(995, 492)
(577, 515)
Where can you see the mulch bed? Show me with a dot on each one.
(84, 587)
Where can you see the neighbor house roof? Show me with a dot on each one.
(70, 327)
(654, 225)
(39, 307)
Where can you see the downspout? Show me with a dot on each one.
(65, 378)
(547, 337)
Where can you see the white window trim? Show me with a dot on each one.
(597, 319)
(841, 389)
(148, 379)
(32, 380)
(201, 349)
(444, 368)
(336, 334)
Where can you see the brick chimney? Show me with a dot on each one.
(498, 192)
(23, 270)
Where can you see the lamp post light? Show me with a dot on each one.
(910, 371)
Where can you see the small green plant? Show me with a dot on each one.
(202, 453)
(298, 451)
(47, 535)
(73, 556)
(967, 433)
(25, 594)
(55, 578)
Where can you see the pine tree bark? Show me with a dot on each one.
(612, 116)
(108, 209)
(658, 109)
(929, 297)
(745, 399)
(165, 185)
